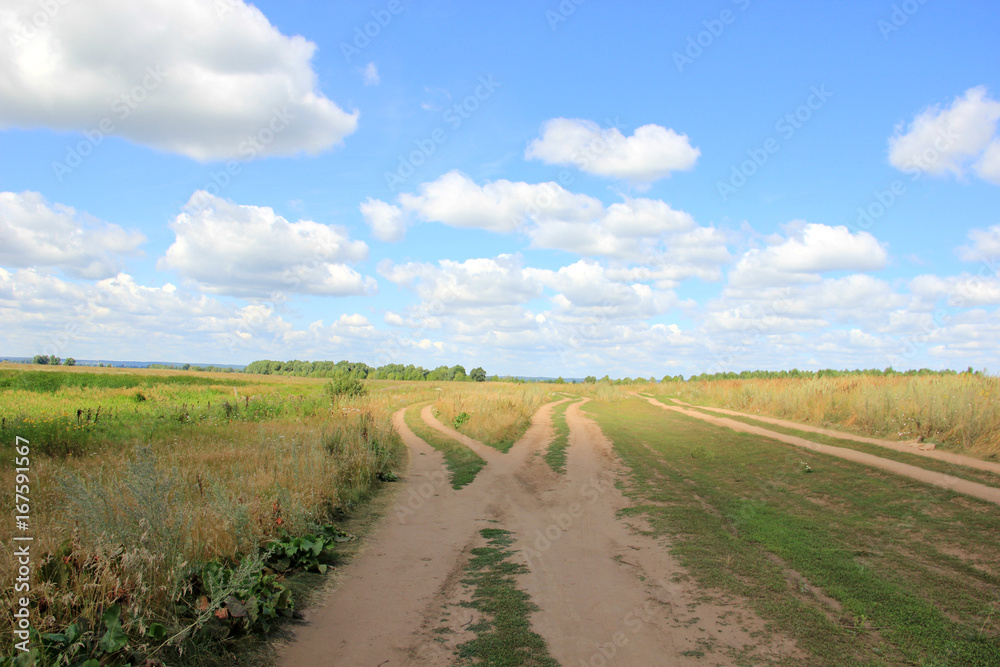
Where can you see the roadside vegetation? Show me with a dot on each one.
(857, 565)
(170, 511)
(463, 463)
(504, 636)
(555, 455)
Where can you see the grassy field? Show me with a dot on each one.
(174, 513)
(858, 566)
(959, 412)
(495, 415)
(154, 493)
(463, 463)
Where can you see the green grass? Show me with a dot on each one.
(962, 472)
(463, 463)
(912, 567)
(555, 456)
(51, 381)
(504, 637)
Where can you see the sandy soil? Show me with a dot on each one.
(607, 595)
(956, 484)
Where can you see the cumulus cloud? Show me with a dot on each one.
(810, 249)
(651, 153)
(475, 282)
(499, 206)
(250, 251)
(948, 141)
(985, 246)
(166, 73)
(35, 233)
(387, 222)
(634, 230)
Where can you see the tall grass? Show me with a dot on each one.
(498, 413)
(124, 507)
(960, 412)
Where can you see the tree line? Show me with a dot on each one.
(361, 371)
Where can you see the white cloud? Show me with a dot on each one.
(650, 154)
(985, 246)
(635, 230)
(942, 141)
(35, 233)
(988, 167)
(499, 206)
(585, 289)
(960, 291)
(810, 249)
(203, 79)
(249, 251)
(370, 75)
(387, 222)
(474, 282)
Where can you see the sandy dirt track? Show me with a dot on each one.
(911, 447)
(606, 594)
(956, 484)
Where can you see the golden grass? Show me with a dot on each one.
(499, 413)
(960, 412)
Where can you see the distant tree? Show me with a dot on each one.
(606, 378)
(53, 360)
(40, 359)
(559, 380)
(478, 374)
(70, 361)
(186, 367)
(590, 379)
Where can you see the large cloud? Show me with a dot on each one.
(809, 250)
(35, 233)
(250, 251)
(210, 80)
(942, 141)
(640, 230)
(650, 154)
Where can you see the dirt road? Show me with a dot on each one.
(956, 484)
(607, 595)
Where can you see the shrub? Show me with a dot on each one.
(343, 385)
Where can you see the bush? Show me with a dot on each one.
(343, 385)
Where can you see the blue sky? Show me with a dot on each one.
(538, 188)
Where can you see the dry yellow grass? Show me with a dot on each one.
(960, 412)
(139, 510)
(498, 413)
